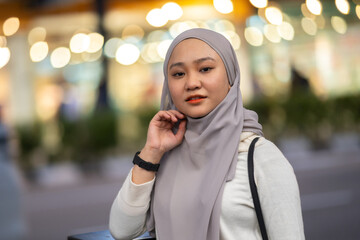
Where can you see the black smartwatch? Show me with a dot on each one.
(145, 165)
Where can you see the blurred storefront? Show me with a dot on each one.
(64, 59)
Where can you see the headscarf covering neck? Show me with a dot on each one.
(186, 200)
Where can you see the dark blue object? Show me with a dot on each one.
(103, 235)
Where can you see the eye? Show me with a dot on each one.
(178, 74)
(206, 69)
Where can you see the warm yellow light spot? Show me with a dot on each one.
(48, 99)
(357, 9)
(172, 11)
(4, 56)
(11, 26)
(127, 54)
(339, 24)
(274, 15)
(60, 57)
(133, 30)
(223, 6)
(309, 26)
(286, 31)
(39, 51)
(271, 33)
(150, 54)
(314, 6)
(233, 38)
(343, 6)
(156, 18)
(180, 27)
(79, 43)
(3, 42)
(320, 21)
(163, 47)
(224, 25)
(96, 42)
(259, 3)
(37, 34)
(305, 11)
(254, 36)
(91, 57)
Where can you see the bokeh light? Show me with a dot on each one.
(39, 51)
(127, 54)
(273, 15)
(320, 21)
(255, 21)
(4, 56)
(60, 57)
(48, 100)
(254, 36)
(309, 26)
(133, 30)
(37, 34)
(96, 42)
(224, 25)
(172, 11)
(314, 6)
(156, 18)
(150, 53)
(3, 42)
(259, 3)
(357, 9)
(180, 27)
(343, 6)
(223, 6)
(305, 11)
(91, 57)
(163, 47)
(79, 43)
(11, 26)
(233, 38)
(156, 36)
(111, 46)
(339, 24)
(271, 33)
(286, 31)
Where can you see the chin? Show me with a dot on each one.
(196, 115)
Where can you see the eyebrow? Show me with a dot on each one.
(197, 61)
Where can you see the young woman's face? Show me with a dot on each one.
(197, 78)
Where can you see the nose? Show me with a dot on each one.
(193, 82)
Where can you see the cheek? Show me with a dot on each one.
(174, 91)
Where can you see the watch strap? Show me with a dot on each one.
(144, 164)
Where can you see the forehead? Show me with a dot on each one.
(192, 49)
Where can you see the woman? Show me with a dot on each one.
(201, 138)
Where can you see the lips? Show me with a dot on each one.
(195, 98)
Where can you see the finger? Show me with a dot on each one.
(173, 117)
(178, 114)
(163, 116)
(181, 131)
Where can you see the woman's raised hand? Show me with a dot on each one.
(160, 137)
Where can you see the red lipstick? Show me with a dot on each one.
(195, 99)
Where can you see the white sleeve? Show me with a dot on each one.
(128, 211)
(279, 194)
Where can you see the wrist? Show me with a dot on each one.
(144, 164)
(150, 154)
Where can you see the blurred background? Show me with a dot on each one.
(80, 81)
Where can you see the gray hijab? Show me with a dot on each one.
(186, 200)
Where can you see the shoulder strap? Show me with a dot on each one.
(253, 189)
